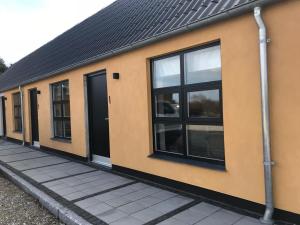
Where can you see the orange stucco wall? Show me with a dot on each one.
(130, 108)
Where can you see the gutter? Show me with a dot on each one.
(22, 115)
(269, 211)
(247, 7)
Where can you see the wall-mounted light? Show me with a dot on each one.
(38, 92)
(116, 76)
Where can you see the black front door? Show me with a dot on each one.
(3, 116)
(98, 115)
(34, 116)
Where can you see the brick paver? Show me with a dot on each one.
(108, 198)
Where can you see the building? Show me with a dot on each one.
(170, 90)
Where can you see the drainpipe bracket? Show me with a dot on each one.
(269, 163)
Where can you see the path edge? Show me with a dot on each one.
(61, 212)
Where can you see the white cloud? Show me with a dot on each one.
(26, 28)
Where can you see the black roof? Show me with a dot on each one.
(121, 24)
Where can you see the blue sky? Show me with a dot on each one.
(28, 24)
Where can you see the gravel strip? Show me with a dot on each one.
(18, 208)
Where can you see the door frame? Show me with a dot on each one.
(89, 154)
(33, 143)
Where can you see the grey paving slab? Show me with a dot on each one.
(221, 217)
(22, 156)
(164, 194)
(15, 151)
(87, 184)
(193, 214)
(172, 221)
(119, 197)
(58, 171)
(131, 207)
(98, 209)
(161, 208)
(172, 204)
(147, 215)
(128, 221)
(136, 202)
(36, 163)
(248, 221)
(5, 147)
(75, 195)
(142, 193)
(112, 215)
(3, 142)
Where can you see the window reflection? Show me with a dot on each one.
(169, 138)
(206, 141)
(167, 105)
(204, 104)
(203, 65)
(166, 72)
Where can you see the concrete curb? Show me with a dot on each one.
(61, 212)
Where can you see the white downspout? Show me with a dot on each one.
(22, 114)
(267, 218)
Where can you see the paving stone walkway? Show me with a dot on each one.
(103, 197)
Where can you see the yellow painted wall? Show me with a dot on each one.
(130, 108)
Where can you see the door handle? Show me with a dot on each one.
(106, 119)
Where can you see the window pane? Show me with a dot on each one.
(166, 72)
(66, 108)
(58, 128)
(204, 104)
(167, 105)
(17, 111)
(18, 124)
(203, 65)
(67, 128)
(17, 99)
(169, 138)
(57, 110)
(65, 90)
(56, 92)
(206, 141)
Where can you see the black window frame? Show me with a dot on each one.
(60, 102)
(17, 108)
(183, 118)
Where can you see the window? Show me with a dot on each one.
(17, 112)
(187, 105)
(61, 110)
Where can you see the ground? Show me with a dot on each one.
(17, 207)
(97, 195)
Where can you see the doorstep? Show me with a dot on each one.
(78, 193)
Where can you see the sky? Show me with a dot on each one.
(26, 25)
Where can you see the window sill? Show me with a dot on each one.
(61, 140)
(188, 162)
